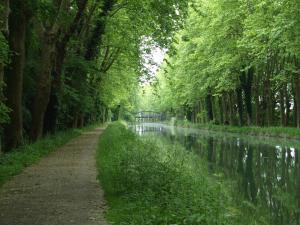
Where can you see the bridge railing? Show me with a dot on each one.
(149, 116)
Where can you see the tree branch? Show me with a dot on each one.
(119, 7)
(107, 64)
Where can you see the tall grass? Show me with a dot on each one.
(148, 183)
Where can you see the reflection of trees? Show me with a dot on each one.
(210, 149)
(221, 149)
(246, 179)
(297, 176)
(189, 141)
(265, 175)
(250, 187)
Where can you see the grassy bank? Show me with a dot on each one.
(277, 132)
(14, 162)
(148, 183)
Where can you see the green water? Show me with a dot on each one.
(263, 175)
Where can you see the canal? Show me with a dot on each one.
(262, 174)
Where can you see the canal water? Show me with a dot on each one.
(263, 174)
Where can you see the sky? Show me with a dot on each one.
(158, 56)
(153, 60)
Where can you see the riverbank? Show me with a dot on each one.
(14, 162)
(147, 182)
(274, 132)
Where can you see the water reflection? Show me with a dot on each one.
(265, 174)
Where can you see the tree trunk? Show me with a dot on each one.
(107, 114)
(50, 37)
(4, 12)
(14, 75)
(248, 94)
(202, 107)
(287, 105)
(269, 110)
(282, 107)
(75, 121)
(257, 110)
(51, 115)
(81, 120)
(295, 111)
(4, 30)
(297, 98)
(209, 107)
(221, 109)
(257, 100)
(225, 109)
(43, 87)
(239, 96)
(52, 111)
(231, 109)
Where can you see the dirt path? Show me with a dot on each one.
(60, 190)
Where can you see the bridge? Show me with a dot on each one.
(149, 116)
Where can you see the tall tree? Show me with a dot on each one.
(18, 21)
(51, 29)
(4, 53)
(244, 52)
(50, 118)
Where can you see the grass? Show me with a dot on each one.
(276, 132)
(14, 162)
(149, 183)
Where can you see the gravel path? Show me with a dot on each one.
(60, 190)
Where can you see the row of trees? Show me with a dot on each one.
(65, 63)
(235, 62)
(254, 170)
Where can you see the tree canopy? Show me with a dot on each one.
(234, 62)
(68, 63)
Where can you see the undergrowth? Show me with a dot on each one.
(147, 183)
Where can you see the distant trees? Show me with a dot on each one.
(235, 62)
(68, 63)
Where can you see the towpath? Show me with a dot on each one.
(60, 190)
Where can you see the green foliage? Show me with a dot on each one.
(127, 34)
(147, 182)
(4, 111)
(4, 50)
(220, 43)
(4, 58)
(83, 59)
(110, 81)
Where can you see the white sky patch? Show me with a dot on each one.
(157, 55)
(153, 57)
